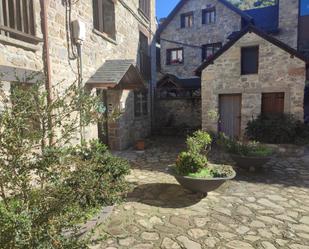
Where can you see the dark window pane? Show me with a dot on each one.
(249, 60)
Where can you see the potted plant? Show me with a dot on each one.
(247, 155)
(192, 169)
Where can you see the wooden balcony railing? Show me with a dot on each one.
(17, 20)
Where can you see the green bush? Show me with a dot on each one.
(199, 142)
(275, 129)
(188, 162)
(243, 149)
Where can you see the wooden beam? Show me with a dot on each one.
(27, 37)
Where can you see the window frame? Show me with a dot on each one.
(169, 56)
(210, 45)
(98, 24)
(243, 70)
(18, 20)
(144, 7)
(206, 12)
(140, 104)
(183, 20)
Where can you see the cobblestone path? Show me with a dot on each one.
(268, 209)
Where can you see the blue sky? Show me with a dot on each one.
(164, 7)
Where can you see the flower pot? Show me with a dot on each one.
(140, 145)
(250, 163)
(200, 185)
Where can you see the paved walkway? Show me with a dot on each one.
(267, 209)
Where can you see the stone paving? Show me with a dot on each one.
(268, 209)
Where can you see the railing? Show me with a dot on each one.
(145, 66)
(17, 20)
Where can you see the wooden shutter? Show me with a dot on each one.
(182, 20)
(272, 103)
(249, 60)
(204, 16)
(168, 56)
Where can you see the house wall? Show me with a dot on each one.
(288, 22)
(227, 22)
(278, 72)
(178, 114)
(96, 48)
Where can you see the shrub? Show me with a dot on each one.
(199, 142)
(188, 162)
(243, 149)
(275, 129)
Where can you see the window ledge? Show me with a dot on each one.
(141, 12)
(20, 44)
(105, 36)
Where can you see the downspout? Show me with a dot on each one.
(47, 67)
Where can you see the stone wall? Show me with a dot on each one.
(278, 72)
(227, 22)
(288, 22)
(177, 115)
(96, 49)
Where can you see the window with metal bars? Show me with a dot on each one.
(144, 6)
(17, 20)
(104, 17)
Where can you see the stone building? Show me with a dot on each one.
(252, 74)
(196, 30)
(119, 33)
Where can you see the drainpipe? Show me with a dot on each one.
(47, 67)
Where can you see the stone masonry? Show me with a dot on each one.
(227, 22)
(96, 49)
(278, 72)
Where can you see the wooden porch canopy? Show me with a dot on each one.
(118, 74)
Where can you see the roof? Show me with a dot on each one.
(258, 32)
(186, 83)
(183, 2)
(266, 18)
(116, 72)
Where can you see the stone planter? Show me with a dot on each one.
(250, 163)
(200, 185)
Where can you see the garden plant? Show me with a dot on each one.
(48, 184)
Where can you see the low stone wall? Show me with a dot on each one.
(176, 116)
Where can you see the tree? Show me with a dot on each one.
(250, 4)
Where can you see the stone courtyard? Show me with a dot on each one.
(267, 209)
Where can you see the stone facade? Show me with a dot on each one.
(227, 21)
(178, 114)
(288, 22)
(278, 72)
(96, 49)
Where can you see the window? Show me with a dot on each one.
(104, 17)
(186, 20)
(17, 20)
(144, 6)
(209, 15)
(174, 56)
(145, 62)
(140, 103)
(272, 103)
(249, 60)
(209, 50)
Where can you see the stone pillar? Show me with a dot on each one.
(288, 22)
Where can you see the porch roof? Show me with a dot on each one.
(117, 74)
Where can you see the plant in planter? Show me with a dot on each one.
(250, 155)
(192, 169)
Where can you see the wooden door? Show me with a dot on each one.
(230, 114)
(272, 103)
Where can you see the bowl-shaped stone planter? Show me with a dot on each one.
(200, 185)
(250, 163)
